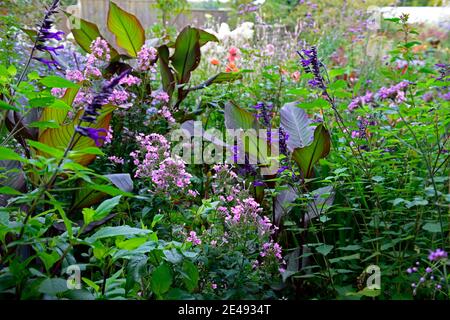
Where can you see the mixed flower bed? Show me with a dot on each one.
(212, 166)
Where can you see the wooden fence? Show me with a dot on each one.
(97, 10)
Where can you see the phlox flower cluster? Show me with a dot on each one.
(153, 161)
(147, 58)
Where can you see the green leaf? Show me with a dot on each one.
(58, 82)
(88, 215)
(130, 35)
(167, 77)
(161, 280)
(205, 37)
(238, 118)
(106, 207)
(53, 286)
(433, 227)
(44, 124)
(131, 244)
(302, 92)
(48, 259)
(186, 57)
(157, 218)
(109, 232)
(219, 78)
(59, 138)
(324, 249)
(91, 284)
(85, 32)
(30, 33)
(173, 256)
(56, 153)
(366, 292)
(308, 156)
(8, 154)
(6, 106)
(191, 275)
(9, 190)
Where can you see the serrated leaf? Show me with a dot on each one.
(324, 249)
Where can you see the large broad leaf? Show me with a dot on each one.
(60, 137)
(322, 199)
(297, 124)
(58, 111)
(238, 118)
(167, 77)
(85, 32)
(186, 57)
(308, 156)
(130, 35)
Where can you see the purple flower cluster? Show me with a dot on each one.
(444, 71)
(427, 277)
(282, 140)
(171, 174)
(147, 58)
(91, 111)
(193, 238)
(311, 64)
(361, 101)
(46, 34)
(273, 249)
(153, 161)
(395, 93)
(437, 255)
(363, 124)
(153, 149)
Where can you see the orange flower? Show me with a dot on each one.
(214, 61)
(231, 67)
